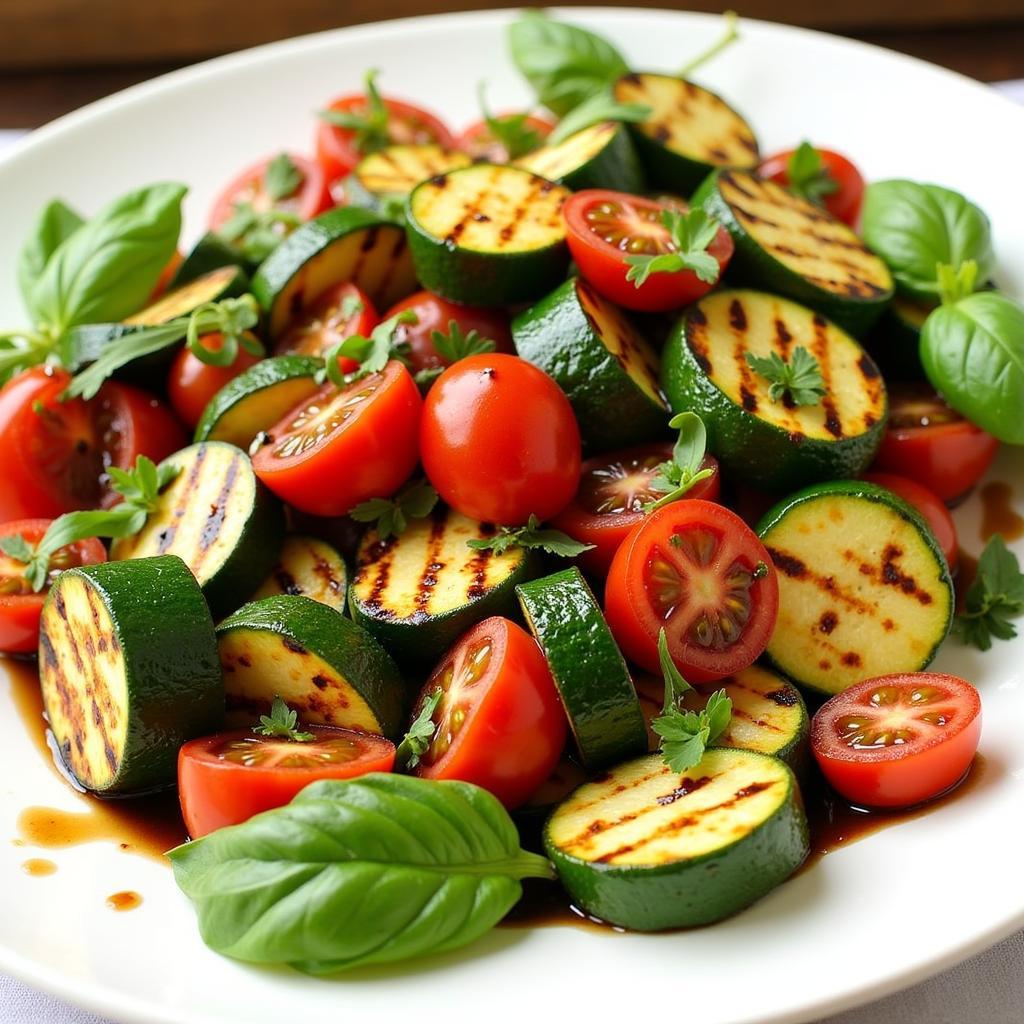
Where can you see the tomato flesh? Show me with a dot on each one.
(499, 723)
(929, 504)
(843, 203)
(898, 740)
(191, 383)
(340, 313)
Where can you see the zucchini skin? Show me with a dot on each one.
(616, 166)
(172, 670)
(211, 252)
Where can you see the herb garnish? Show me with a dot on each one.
(602, 106)
(691, 233)
(282, 723)
(511, 131)
(996, 594)
(675, 478)
(800, 379)
(530, 536)
(370, 127)
(807, 175)
(372, 353)
(391, 515)
(420, 735)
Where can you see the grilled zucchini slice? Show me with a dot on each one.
(419, 592)
(600, 360)
(344, 244)
(487, 235)
(689, 133)
(221, 283)
(645, 848)
(774, 445)
(210, 253)
(601, 156)
(218, 518)
(129, 672)
(385, 178)
(318, 662)
(308, 567)
(895, 341)
(786, 244)
(864, 589)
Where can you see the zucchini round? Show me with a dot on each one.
(308, 567)
(211, 252)
(601, 156)
(389, 175)
(225, 282)
(895, 341)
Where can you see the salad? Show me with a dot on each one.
(587, 469)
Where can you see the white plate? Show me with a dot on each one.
(880, 914)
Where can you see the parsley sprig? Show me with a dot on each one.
(530, 536)
(511, 131)
(691, 233)
(996, 595)
(372, 353)
(391, 515)
(371, 126)
(282, 723)
(685, 735)
(800, 379)
(673, 479)
(140, 487)
(420, 735)
(808, 176)
(453, 346)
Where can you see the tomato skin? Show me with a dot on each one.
(216, 792)
(435, 314)
(845, 202)
(515, 731)
(929, 504)
(636, 624)
(369, 456)
(603, 264)
(607, 531)
(191, 383)
(322, 326)
(499, 440)
(311, 198)
(19, 613)
(336, 149)
(899, 775)
(929, 443)
(480, 144)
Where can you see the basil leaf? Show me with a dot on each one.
(565, 64)
(108, 267)
(370, 870)
(56, 224)
(973, 353)
(601, 106)
(915, 227)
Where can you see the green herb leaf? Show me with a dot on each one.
(512, 131)
(282, 178)
(676, 478)
(372, 353)
(456, 344)
(731, 34)
(257, 233)
(691, 233)
(15, 546)
(956, 283)
(554, 542)
(391, 515)
(282, 723)
(371, 126)
(417, 740)
(799, 381)
(370, 870)
(808, 176)
(996, 595)
(602, 106)
(56, 224)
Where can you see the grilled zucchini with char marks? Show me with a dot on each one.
(308, 567)
(601, 156)
(390, 174)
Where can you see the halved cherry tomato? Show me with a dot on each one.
(605, 227)
(929, 504)
(338, 151)
(499, 440)
(698, 571)
(499, 722)
(310, 198)
(845, 201)
(192, 383)
(344, 445)
(227, 778)
(54, 454)
(613, 491)
(479, 142)
(20, 605)
(929, 442)
(436, 314)
(897, 740)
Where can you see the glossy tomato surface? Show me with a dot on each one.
(929, 504)
(843, 177)
(480, 143)
(929, 442)
(341, 312)
(227, 778)
(499, 722)
(310, 198)
(610, 499)
(20, 605)
(605, 227)
(897, 740)
(499, 440)
(191, 383)
(344, 445)
(696, 570)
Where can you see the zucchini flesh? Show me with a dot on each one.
(222, 283)
(601, 156)
(393, 172)
(308, 567)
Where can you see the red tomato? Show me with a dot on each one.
(845, 201)
(436, 314)
(338, 152)
(613, 491)
(478, 141)
(226, 779)
(499, 441)
(192, 383)
(697, 570)
(20, 605)
(344, 446)
(929, 442)
(606, 227)
(499, 723)
(53, 454)
(897, 740)
(309, 199)
(929, 504)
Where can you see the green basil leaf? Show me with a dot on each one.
(601, 106)
(973, 353)
(915, 227)
(371, 870)
(107, 269)
(565, 64)
(56, 224)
